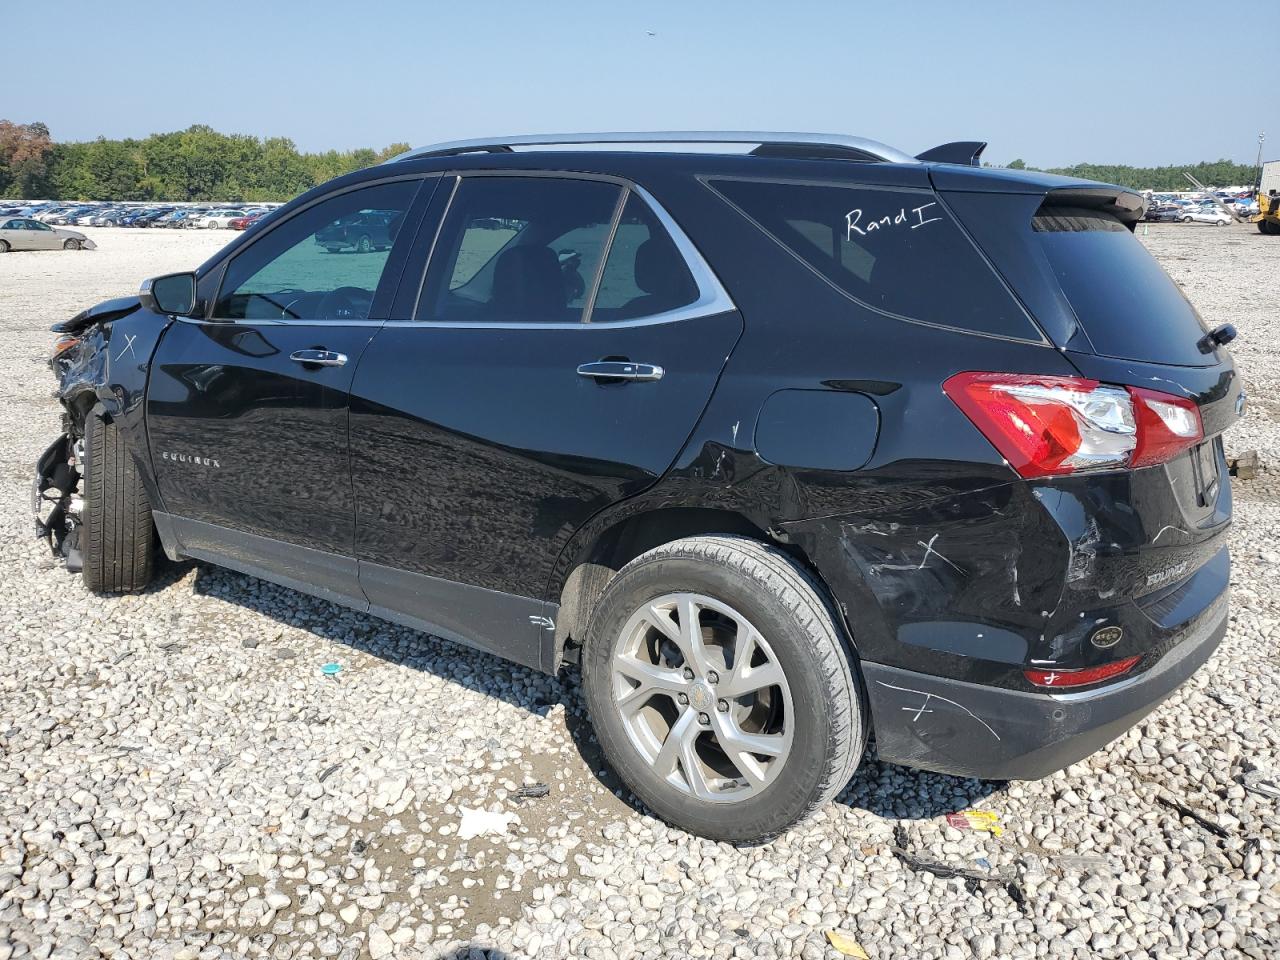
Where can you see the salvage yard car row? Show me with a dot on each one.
(171, 215)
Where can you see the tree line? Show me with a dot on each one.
(200, 163)
(1217, 173)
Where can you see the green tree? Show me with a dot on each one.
(24, 154)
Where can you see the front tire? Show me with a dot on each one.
(363, 245)
(71, 244)
(721, 690)
(118, 533)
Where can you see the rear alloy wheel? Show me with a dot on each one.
(720, 688)
(71, 244)
(117, 533)
(4, 246)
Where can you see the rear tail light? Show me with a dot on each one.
(1166, 426)
(1048, 426)
(1082, 677)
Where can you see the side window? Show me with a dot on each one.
(895, 250)
(322, 264)
(519, 249)
(37, 225)
(645, 273)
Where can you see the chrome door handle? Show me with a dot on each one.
(621, 370)
(318, 358)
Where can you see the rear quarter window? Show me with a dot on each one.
(897, 251)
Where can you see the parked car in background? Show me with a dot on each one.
(219, 219)
(361, 232)
(24, 233)
(248, 220)
(185, 218)
(67, 215)
(1163, 213)
(1207, 214)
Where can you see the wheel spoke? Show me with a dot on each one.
(744, 678)
(691, 634)
(664, 764)
(692, 766)
(649, 678)
(661, 618)
(741, 749)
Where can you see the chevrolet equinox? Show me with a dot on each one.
(787, 440)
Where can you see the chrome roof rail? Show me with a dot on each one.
(831, 145)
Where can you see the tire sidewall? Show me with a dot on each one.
(790, 796)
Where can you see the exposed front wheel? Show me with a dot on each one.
(71, 244)
(720, 688)
(117, 532)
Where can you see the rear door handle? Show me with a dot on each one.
(621, 370)
(318, 358)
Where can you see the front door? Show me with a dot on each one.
(562, 351)
(247, 407)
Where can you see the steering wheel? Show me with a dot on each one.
(345, 303)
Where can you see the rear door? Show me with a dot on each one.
(247, 407)
(561, 348)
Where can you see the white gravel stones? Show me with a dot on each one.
(171, 787)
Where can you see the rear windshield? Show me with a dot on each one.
(1126, 303)
(896, 250)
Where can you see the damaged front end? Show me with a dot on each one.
(80, 361)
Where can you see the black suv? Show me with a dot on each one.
(785, 443)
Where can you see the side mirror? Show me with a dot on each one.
(173, 293)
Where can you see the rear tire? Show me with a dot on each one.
(118, 533)
(363, 245)
(4, 245)
(812, 717)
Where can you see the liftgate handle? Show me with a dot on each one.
(621, 370)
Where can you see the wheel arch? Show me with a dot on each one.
(581, 581)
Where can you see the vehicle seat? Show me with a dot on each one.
(527, 282)
(664, 288)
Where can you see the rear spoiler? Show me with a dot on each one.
(1125, 205)
(965, 152)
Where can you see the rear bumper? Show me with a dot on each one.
(972, 730)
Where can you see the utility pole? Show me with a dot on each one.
(1257, 172)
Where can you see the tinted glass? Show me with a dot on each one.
(519, 249)
(644, 273)
(318, 265)
(1127, 304)
(898, 251)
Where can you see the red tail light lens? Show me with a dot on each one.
(1049, 426)
(1083, 677)
(1166, 426)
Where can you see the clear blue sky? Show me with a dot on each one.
(1122, 81)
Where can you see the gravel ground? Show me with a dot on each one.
(178, 778)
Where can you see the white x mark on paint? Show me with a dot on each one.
(128, 346)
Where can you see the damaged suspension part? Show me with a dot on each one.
(55, 500)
